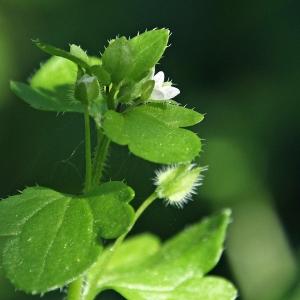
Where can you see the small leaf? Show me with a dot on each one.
(117, 58)
(147, 49)
(52, 89)
(78, 52)
(50, 237)
(74, 55)
(152, 134)
(177, 270)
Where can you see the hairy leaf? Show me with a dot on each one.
(117, 58)
(51, 238)
(152, 132)
(52, 89)
(147, 49)
(109, 203)
(75, 55)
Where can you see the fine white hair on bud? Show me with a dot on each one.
(176, 184)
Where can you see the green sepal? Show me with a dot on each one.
(87, 89)
(127, 92)
(102, 75)
(147, 89)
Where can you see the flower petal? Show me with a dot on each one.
(157, 94)
(170, 92)
(159, 78)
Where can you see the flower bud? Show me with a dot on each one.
(87, 89)
(176, 184)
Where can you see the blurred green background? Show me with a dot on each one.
(236, 61)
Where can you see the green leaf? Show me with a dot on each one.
(78, 52)
(54, 73)
(151, 132)
(102, 75)
(117, 58)
(133, 252)
(52, 89)
(191, 288)
(75, 55)
(176, 270)
(115, 127)
(112, 214)
(51, 242)
(147, 49)
(172, 115)
(51, 238)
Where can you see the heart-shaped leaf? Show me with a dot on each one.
(51, 238)
(152, 132)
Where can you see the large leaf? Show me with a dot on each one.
(152, 132)
(147, 49)
(176, 271)
(51, 238)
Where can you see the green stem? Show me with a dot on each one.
(100, 157)
(88, 157)
(100, 267)
(75, 288)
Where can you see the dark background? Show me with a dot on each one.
(236, 61)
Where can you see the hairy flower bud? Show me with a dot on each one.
(87, 89)
(176, 184)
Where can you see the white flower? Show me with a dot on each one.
(163, 90)
(176, 184)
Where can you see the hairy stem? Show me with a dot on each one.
(100, 157)
(97, 271)
(93, 175)
(88, 157)
(75, 290)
